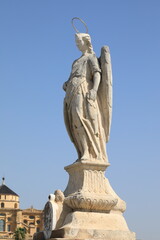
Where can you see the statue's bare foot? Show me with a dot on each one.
(85, 157)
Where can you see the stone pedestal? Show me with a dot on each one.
(96, 210)
(86, 190)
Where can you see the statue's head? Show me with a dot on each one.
(83, 42)
(59, 196)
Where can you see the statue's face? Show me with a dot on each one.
(81, 44)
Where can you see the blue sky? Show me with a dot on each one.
(37, 49)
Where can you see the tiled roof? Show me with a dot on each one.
(5, 190)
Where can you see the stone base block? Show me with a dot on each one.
(100, 235)
(92, 225)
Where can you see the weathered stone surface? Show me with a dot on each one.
(54, 215)
(98, 235)
(85, 225)
(96, 208)
(87, 188)
(50, 218)
(88, 102)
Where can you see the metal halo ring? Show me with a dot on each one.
(81, 22)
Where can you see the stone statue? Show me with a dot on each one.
(88, 101)
(54, 213)
(95, 211)
(89, 208)
(50, 210)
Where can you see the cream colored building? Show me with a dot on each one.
(12, 217)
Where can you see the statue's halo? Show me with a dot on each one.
(81, 22)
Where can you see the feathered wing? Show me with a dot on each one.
(105, 90)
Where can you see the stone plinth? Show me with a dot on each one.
(87, 188)
(96, 210)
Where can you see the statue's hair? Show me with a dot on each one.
(59, 196)
(87, 39)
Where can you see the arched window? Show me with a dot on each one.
(31, 223)
(15, 205)
(2, 205)
(2, 225)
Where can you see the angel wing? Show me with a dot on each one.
(105, 90)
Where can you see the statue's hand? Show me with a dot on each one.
(92, 95)
(65, 86)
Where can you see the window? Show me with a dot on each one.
(15, 205)
(31, 223)
(38, 221)
(38, 229)
(25, 221)
(2, 205)
(9, 219)
(8, 228)
(31, 217)
(3, 215)
(2, 225)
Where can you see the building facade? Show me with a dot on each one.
(12, 217)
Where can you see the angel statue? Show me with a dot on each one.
(88, 100)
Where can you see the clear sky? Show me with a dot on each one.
(37, 49)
